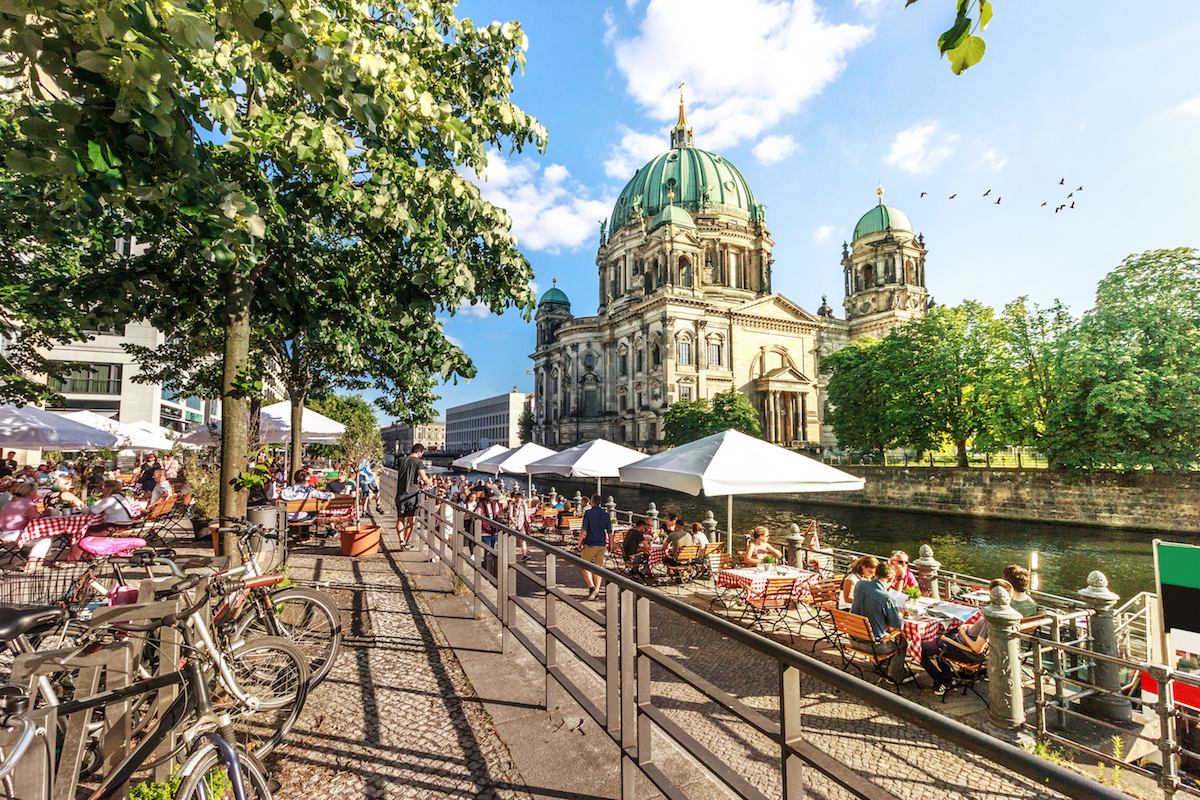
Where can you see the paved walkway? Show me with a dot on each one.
(422, 704)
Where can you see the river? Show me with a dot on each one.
(970, 545)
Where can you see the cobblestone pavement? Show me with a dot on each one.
(395, 718)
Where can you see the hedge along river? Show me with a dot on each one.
(970, 545)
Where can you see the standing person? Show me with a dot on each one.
(9, 465)
(170, 466)
(872, 601)
(367, 485)
(490, 508)
(518, 517)
(410, 477)
(145, 479)
(593, 542)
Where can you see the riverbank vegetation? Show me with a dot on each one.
(1118, 388)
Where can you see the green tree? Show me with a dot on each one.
(1129, 397)
(861, 395)
(200, 127)
(689, 420)
(959, 44)
(525, 425)
(361, 439)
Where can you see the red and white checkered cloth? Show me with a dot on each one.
(928, 629)
(755, 582)
(656, 551)
(48, 527)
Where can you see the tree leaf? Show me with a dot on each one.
(954, 37)
(985, 14)
(967, 54)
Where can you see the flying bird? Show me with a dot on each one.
(1072, 205)
(1058, 209)
(924, 193)
(997, 201)
(1043, 205)
(989, 191)
(1072, 194)
(1080, 189)
(953, 196)
(1062, 182)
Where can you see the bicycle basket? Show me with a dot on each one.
(69, 586)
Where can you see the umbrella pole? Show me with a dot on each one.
(598, 479)
(729, 520)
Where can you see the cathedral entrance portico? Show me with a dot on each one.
(783, 403)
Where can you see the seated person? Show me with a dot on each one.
(967, 644)
(15, 515)
(95, 480)
(637, 561)
(560, 502)
(62, 487)
(759, 547)
(162, 488)
(6, 487)
(337, 485)
(904, 577)
(861, 569)
(871, 600)
(698, 536)
(678, 537)
(301, 489)
(1018, 576)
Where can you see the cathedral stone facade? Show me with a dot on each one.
(686, 310)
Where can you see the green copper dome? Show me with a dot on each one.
(699, 179)
(555, 295)
(672, 215)
(880, 218)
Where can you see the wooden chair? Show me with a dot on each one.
(725, 595)
(337, 513)
(773, 605)
(683, 568)
(548, 518)
(308, 505)
(569, 527)
(710, 561)
(616, 546)
(824, 595)
(856, 642)
(157, 518)
(964, 669)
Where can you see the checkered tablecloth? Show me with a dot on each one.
(48, 527)
(919, 630)
(755, 583)
(656, 551)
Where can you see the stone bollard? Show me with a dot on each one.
(553, 495)
(1102, 631)
(710, 526)
(577, 502)
(652, 513)
(795, 543)
(611, 508)
(1006, 699)
(927, 572)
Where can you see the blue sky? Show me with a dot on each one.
(819, 102)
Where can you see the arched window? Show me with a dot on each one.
(868, 276)
(715, 354)
(685, 352)
(685, 272)
(655, 356)
(910, 272)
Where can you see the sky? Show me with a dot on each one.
(818, 104)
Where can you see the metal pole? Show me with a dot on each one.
(612, 660)
(628, 705)
(502, 579)
(791, 730)
(551, 644)
(729, 523)
(644, 752)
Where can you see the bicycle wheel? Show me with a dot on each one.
(276, 672)
(306, 617)
(209, 779)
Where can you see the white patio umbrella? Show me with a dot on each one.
(32, 427)
(597, 459)
(513, 462)
(275, 427)
(469, 461)
(166, 433)
(730, 463)
(129, 436)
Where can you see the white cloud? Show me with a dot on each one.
(915, 152)
(823, 233)
(775, 148)
(992, 159)
(551, 211)
(634, 150)
(1189, 109)
(478, 310)
(746, 68)
(454, 340)
(870, 6)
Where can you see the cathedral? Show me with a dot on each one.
(686, 310)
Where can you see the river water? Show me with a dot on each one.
(980, 547)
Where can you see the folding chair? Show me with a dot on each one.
(156, 518)
(614, 554)
(856, 642)
(706, 560)
(309, 505)
(823, 596)
(773, 605)
(337, 513)
(963, 669)
(725, 595)
(569, 527)
(549, 518)
(683, 568)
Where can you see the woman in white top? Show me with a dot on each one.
(861, 569)
(447, 513)
(759, 548)
(113, 510)
(518, 517)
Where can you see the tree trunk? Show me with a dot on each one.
(239, 291)
(297, 399)
(962, 454)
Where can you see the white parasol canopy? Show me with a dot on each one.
(469, 461)
(275, 427)
(730, 463)
(32, 427)
(514, 461)
(597, 459)
(166, 433)
(130, 437)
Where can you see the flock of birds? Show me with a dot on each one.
(1057, 209)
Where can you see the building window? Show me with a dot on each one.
(589, 361)
(640, 365)
(591, 405)
(655, 357)
(97, 379)
(624, 402)
(623, 362)
(714, 355)
(624, 434)
(685, 352)
(685, 393)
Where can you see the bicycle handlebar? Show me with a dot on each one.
(18, 750)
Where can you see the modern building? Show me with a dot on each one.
(399, 438)
(686, 310)
(483, 423)
(106, 384)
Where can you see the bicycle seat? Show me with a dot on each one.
(110, 545)
(16, 621)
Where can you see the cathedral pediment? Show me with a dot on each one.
(785, 378)
(775, 306)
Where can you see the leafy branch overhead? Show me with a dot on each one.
(960, 44)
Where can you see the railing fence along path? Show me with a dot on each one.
(627, 711)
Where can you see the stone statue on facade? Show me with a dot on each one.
(603, 230)
(635, 207)
(705, 198)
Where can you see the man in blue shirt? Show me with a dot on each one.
(593, 541)
(872, 601)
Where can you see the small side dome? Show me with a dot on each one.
(672, 215)
(554, 295)
(881, 218)
(825, 310)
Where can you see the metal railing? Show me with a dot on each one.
(627, 711)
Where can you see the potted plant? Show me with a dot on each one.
(769, 562)
(206, 492)
(911, 607)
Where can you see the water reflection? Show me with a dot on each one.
(979, 547)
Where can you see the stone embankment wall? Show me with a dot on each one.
(1142, 501)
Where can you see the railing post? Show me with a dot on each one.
(1169, 778)
(477, 577)
(550, 647)
(652, 513)
(612, 659)
(456, 542)
(1006, 702)
(577, 502)
(645, 753)
(628, 699)
(1039, 686)
(1059, 665)
(611, 508)
(791, 730)
(1103, 635)
(710, 526)
(795, 543)
(509, 543)
(502, 579)
(927, 572)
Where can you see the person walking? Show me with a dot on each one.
(593, 542)
(410, 478)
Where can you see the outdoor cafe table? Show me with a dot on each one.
(754, 582)
(655, 550)
(918, 630)
(49, 527)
